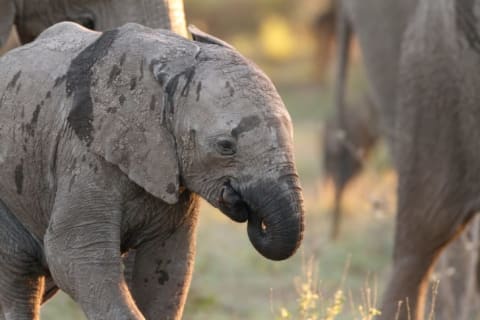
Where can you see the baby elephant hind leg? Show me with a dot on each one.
(21, 272)
(423, 229)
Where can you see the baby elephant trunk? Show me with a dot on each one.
(275, 219)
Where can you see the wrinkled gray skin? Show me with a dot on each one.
(346, 149)
(33, 16)
(106, 143)
(436, 142)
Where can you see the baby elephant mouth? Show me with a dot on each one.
(232, 205)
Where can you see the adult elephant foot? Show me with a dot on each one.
(424, 227)
(405, 296)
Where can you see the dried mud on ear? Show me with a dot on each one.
(19, 177)
(14, 80)
(79, 82)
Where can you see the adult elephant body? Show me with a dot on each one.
(379, 26)
(423, 91)
(105, 142)
(33, 16)
(436, 149)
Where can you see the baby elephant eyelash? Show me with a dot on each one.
(226, 147)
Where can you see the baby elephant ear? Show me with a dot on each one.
(142, 149)
(7, 12)
(117, 111)
(200, 36)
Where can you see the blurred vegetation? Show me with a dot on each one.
(277, 34)
(231, 280)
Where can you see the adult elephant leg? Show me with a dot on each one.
(21, 280)
(162, 14)
(23, 299)
(337, 212)
(82, 247)
(424, 226)
(163, 270)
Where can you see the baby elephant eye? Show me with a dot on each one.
(226, 147)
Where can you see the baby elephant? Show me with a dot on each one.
(106, 143)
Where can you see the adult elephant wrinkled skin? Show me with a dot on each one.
(106, 143)
(436, 144)
(33, 16)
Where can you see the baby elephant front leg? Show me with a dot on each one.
(162, 273)
(82, 246)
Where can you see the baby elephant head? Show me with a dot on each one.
(234, 140)
(206, 119)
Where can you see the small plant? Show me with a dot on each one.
(312, 305)
(337, 306)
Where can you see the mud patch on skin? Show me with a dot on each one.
(172, 85)
(19, 177)
(199, 89)
(171, 188)
(122, 58)
(156, 66)
(60, 80)
(153, 102)
(162, 274)
(114, 73)
(79, 81)
(163, 277)
(189, 73)
(133, 83)
(141, 69)
(13, 81)
(121, 99)
(30, 127)
(245, 125)
(231, 91)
